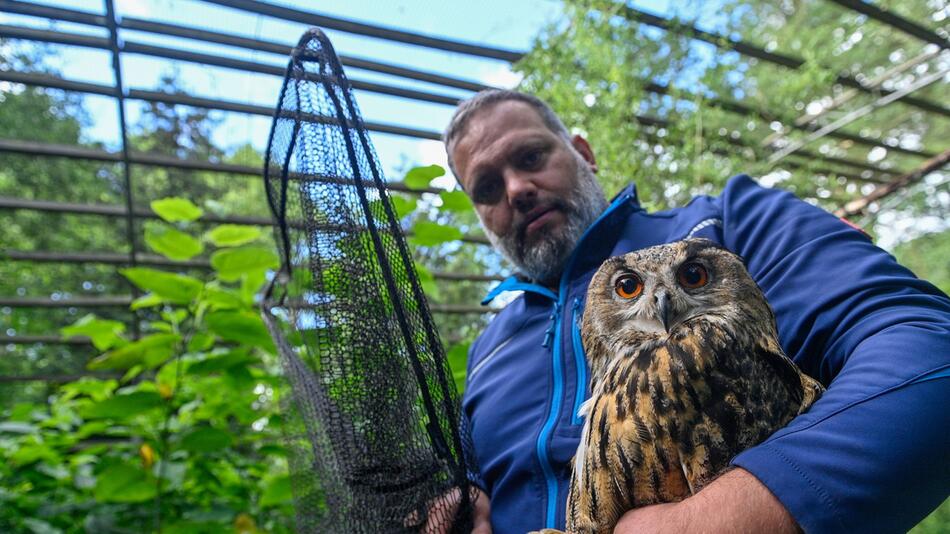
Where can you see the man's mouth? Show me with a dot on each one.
(537, 219)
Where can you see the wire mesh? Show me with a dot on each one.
(375, 444)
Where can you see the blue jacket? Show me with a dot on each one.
(872, 455)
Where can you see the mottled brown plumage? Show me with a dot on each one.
(686, 372)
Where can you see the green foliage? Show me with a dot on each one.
(103, 333)
(176, 209)
(938, 522)
(277, 492)
(170, 287)
(596, 67)
(420, 177)
(196, 388)
(123, 406)
(427, 234)
(242, 327)
(403, 205)
(927, 256)
(232, 235)
(456, 201)
(148, 352)
(171, 243)
(124, 483)
(232, 263)
(206, 439)
(177, 421)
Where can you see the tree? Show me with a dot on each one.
(596, 66)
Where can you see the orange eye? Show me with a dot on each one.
(629, 286)
(692, 275)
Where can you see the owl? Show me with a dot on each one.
(686, 372)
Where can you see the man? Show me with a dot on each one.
(871, 455)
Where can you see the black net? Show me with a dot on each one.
(375, 444)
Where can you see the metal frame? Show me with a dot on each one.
(746, 49)
(907, 26)
(887, 180)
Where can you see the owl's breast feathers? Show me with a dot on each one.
(667, 418)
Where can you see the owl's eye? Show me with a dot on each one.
(692, 275)
(629, 286)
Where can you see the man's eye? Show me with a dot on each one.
(487, 191)
(531, 159)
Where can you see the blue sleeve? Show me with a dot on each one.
(873, 454)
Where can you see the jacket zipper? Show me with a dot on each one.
(580, 363)
(541, 447)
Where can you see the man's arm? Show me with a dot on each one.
(870, 455)
(734, 502)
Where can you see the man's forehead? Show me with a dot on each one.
(492, 124)
(505, 114)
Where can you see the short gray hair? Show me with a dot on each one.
(490, 97)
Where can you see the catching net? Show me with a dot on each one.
(373, 419)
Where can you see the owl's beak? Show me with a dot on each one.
(663, 308)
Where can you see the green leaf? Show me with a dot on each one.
(427, 233)
(206, 439)
(222, 299)
(426, 280)
(232, 263)
(133, 372)
(172, 472)
(91, 428)
(457, 357)
(103, 333)
(456, 201)
(171, 243)
(200, 341)
(403, 206)
(150, 351)
(174, 209)
(419, 177)
(93, 388)
(278, 492)
(123, 406)
(124, 483)
(221, 363)
(33, 449)
(245, 328)
(38, 526)
(148, 300)
(232, 235)
(14, 427)
(174, 288)
(252, 282)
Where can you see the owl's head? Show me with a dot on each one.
(646, 295)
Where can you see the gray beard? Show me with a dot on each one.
(544, 261)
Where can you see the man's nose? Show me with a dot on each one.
(521, 190)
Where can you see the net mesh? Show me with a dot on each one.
(374, 438)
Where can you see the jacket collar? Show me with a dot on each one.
(624, 202)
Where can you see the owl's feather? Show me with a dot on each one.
(669, 409)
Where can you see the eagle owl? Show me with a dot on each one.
(686, 372)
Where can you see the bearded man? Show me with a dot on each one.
(870, 455)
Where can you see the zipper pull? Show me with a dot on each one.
(549, 333)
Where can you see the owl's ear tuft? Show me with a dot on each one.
(696, 245)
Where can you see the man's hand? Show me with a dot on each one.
(734, 502)
(447, 505)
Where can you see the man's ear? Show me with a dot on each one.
(583, 147)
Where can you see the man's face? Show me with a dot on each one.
(534, 192)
